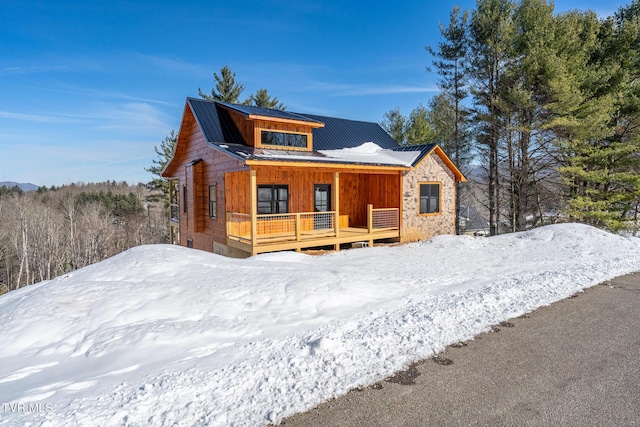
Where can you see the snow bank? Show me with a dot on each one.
(163, 335)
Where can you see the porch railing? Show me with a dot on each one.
(303, 225)
(239, 226)
(290, 226)
(387, 218)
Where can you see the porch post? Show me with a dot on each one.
(370, 223)
(336, 201)
(254, 206)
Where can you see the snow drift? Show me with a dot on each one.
(163, 335)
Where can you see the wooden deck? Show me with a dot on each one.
(311, 240)
(279, 232)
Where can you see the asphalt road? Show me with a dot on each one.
(574, 363)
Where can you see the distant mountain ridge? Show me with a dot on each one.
(24, 186)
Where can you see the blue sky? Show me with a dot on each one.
(87, 89)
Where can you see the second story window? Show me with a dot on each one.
(283, 139)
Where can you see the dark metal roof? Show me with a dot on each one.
(220, 131)
(343, 133)
(268, 112)
(215, 122)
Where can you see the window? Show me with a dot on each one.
(429, 198)
(174, 200)
(184, 198)
(213, 201)
(273, 199)
(284, 139)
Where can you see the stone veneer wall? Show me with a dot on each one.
(421, 227)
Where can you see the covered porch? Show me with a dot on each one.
(361, 206)
(268, 233)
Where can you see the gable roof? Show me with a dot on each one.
(335, 140)
(218, 127)
(251, 111)
(344, 133)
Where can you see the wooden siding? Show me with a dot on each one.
(196, 225)
(300, 183)
(261, 125)
(245, 127)
(236, 193)
(357, 190)
(250, 130)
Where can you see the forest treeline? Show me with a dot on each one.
(55, 230)
(548, 104)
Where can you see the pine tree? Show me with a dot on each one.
(394, 123)
(442, 118)
(415, 129)
(226, 89)
(418, 129)
(596, 119)
(159, 183)
(452, 55)
(490, 29)
(262, 99)
(523, 95)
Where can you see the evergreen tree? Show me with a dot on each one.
(418, 128)
(394, 123)
(442, 119)
(413, 130)
(522, 98)
(597, 119)
(490, 30)
(226, 89)
(452, 55)
(262, 99)
(165, 153)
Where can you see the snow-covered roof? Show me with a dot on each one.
(370, 152)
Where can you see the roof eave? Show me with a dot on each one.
(324, 164)
(167, 166)
(459, 177)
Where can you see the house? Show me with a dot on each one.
(246, 180)
(472, 223)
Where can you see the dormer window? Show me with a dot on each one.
(283, 139)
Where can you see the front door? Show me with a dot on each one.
(322, 203)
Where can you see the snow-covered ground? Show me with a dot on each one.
(163, 335)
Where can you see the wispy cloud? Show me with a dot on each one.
(366, 90)
(94, 93)
(138, 116)
(176, 64)
(33, 69)
(37, 117)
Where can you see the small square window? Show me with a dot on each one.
(429, 198)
